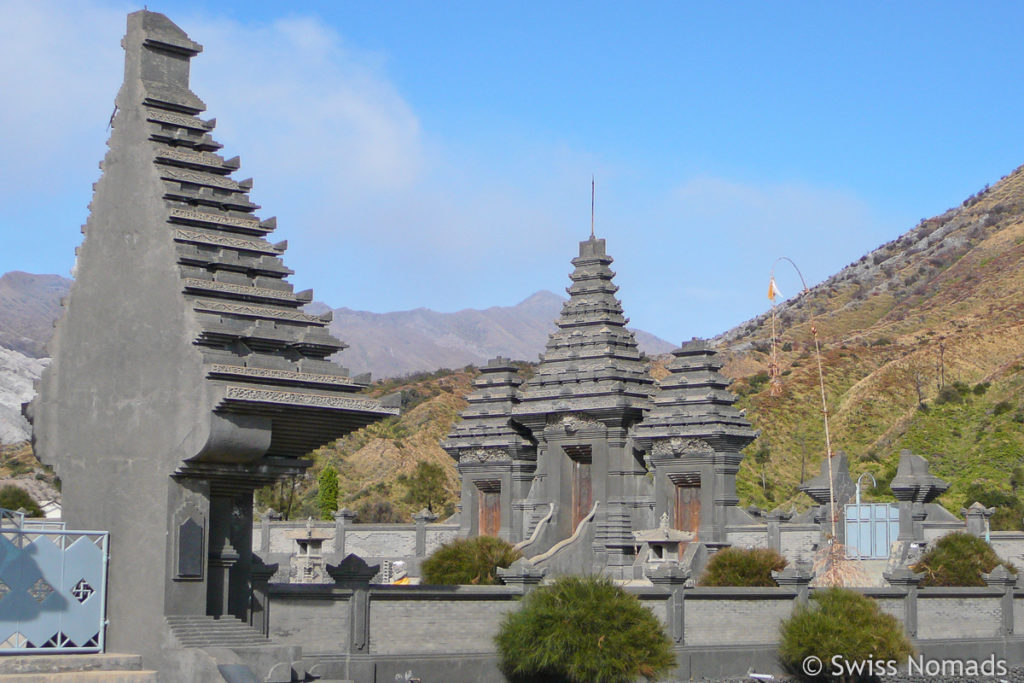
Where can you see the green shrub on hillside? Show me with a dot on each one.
(739, 567)
(837, 621)
(958, 559)
(327, 493)
(14, 497)
(469, 561)
(583, 630)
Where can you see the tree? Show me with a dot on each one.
(469, 561)
(426, 485)
(583, 629)
(327, 495)
(740, 567)
(958, 559)
(841, 622)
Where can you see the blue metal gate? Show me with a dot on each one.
(52, 588)
(871, 529)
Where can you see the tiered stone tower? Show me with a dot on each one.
(591, 386)
(614, 454)
(692, 440)
(496, 459)
(185, 373)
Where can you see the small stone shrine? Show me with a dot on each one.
(185, 372)
(588, 451)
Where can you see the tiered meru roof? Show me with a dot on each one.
(486, 424)
(262, 353)
(693, 402)
(591, 361)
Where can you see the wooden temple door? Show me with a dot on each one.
(687, 508)
(488, 508)
(582, 487)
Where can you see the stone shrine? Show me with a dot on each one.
(588, 452)
(185, 372)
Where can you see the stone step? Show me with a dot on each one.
(105, 676)
(58, 663)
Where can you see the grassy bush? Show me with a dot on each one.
(583, 630)
(13, 497)
(958, 560)
(469, 561)
(739, 567)
(842, 622)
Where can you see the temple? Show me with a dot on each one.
(185, 371)
(579, 464)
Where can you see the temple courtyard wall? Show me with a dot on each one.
(376, 633)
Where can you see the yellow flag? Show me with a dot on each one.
(773, 290)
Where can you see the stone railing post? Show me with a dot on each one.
(796, 576)
(672, 576)
(354, 574)
(977, 519)
(775, 519)
(904, 577)
(259, 606)
(343, 519)
(1002, 579)
(271, 515)
(422, 518)
(522, 573)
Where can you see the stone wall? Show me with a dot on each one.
(716, 631)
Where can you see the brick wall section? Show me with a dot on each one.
(749, 539)
(797, 543)
(893, 606)
(380, 543)
(718, 620)
(939, 616)
(316, 625)
(428, 626)
(659, 608)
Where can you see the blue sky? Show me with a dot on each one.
(440, 154)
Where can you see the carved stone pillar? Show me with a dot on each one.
(1002, 579)
(422, 518)
(343, 519)
(354, 574)
(672, 576)
(909, 580)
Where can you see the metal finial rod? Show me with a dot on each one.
(592, 207)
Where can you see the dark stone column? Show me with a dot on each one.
(1002, 579)
(977, 519)
(907, 579)
(354, 574)
(775, 519)
(259, 609)
(222, 559)
(422, 518)
(343, 519)
(673, 577)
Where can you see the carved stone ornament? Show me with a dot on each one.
(483, 455)
(573, 422)
(678, 447)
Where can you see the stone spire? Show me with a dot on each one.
(485, 432)
(591, 361)
(185, 372)
(693, 402)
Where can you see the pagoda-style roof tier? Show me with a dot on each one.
(176, 268)
(486, 423)
(692, 403)
(591, 360)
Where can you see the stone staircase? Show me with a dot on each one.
(207, 631)
(76, 668)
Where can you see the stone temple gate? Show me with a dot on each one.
(588, 455)
(185, 372)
